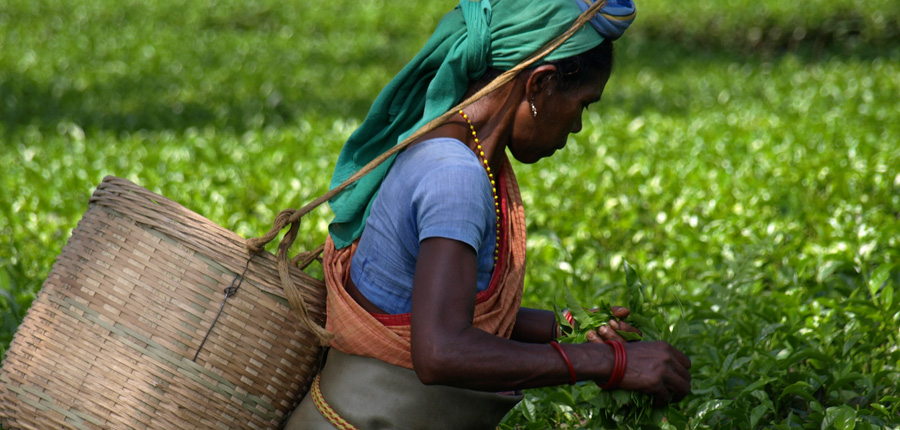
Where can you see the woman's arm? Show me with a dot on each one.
(535, 326)
(447, 349)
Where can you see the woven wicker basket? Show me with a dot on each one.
(111, 339)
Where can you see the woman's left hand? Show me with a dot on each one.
(609, 332)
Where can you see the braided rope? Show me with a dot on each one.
(327, 411)
(292, 217)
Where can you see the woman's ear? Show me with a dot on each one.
(542, 79)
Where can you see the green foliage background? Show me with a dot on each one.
(745, 158)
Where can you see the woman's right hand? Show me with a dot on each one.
(610, 330)
(657, 369)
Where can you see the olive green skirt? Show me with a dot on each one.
(371, 394)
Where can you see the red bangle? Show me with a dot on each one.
(619, 368)
(568, 362)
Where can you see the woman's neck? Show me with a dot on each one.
(488, 136)
(492, 118)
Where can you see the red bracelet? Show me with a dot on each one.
(568, 363)
(619, 368)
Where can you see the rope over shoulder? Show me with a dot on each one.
(291, 217)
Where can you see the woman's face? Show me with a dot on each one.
(558, 114)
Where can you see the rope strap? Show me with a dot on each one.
(327, 411)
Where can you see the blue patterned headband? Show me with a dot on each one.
(613, 18)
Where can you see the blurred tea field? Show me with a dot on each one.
(745, 158)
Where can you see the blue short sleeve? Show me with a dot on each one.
(454, 201)
(437, 188)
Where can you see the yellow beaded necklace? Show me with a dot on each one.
(480, 153)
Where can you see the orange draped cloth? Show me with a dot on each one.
(387, 337)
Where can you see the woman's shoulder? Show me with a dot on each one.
(441, 165)
(438, 152)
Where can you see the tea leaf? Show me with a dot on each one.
(879, 277)
(756, 414)
(629, 335)
(839, 418)
(634, 288)
(887, 296)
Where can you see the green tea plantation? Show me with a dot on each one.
(744, 162)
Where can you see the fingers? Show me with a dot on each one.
(679, 390)
(682, 359)
(609, 333)
(660, 397)
(679, 364)
(663, 395)
(603, 334)
(624, 326)
(619, 311)
(679, 384)
(667, 395)
(659, 370)
(681, 371)
(671, 391)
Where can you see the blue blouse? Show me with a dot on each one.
(436, 188)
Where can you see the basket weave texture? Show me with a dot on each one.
(110, 340)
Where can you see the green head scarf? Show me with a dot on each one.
(474, 36)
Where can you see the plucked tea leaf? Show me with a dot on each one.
(634, 288)
(628, 335)
(578, 312)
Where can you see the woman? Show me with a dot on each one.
(425, 258)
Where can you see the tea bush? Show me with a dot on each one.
(744, 158)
